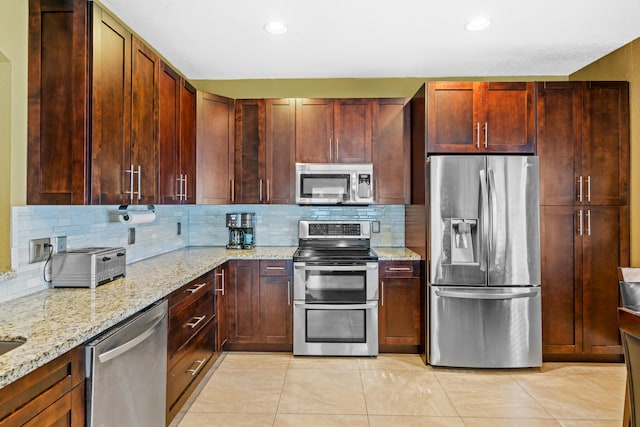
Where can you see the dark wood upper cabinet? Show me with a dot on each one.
(177, 138)
(559, 136)
(605, 142)
(480, 117)
(188, 142)
(86, 70)
(333, 131)
(111, 112)
(264, 150)
(314, 130)
(280, 140)
(58, 155)
(391, 151)
(144, 124)
(169, 131)
(250, 187)
(352, 130)
(215, 142)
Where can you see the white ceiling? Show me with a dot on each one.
(215, 39)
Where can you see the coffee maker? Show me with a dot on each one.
(241, 234)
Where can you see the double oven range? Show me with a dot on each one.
(335, 290)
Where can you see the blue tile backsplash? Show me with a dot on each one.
(201, 225)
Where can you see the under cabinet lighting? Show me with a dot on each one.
(275, 27)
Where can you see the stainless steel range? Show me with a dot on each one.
(335, 290)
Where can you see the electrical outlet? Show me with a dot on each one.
(179, 228)
(61, 244)
(375, 226)
(132, 236)
(37, 250)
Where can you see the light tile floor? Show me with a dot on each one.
(278, 389)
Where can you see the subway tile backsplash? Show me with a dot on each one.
(201, 225)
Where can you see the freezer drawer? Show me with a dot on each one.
(485, 327)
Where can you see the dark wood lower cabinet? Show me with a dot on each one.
(580, 293)
(259, 309)
(399, 318)
(52, 395)
(192, 333)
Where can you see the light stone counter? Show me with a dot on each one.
(55, 321)
(396, 254)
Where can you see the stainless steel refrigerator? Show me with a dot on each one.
(484, 261)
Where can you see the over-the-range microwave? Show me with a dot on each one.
(334, 183)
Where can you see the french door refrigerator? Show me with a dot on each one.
(484, 262)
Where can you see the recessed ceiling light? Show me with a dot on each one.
(477, 24)
(275, 27)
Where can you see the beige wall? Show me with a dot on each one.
(13, 116)
(333, 88)
(624, 64)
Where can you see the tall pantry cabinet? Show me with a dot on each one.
(583, 145)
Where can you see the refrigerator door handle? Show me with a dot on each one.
(485, 220)
(493, 212)
(485, 295)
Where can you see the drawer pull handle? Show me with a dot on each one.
(197, 319)
(195, 371)
(399, 269)
(196, 288)
(275, 268)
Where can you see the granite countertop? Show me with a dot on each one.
(55, 321)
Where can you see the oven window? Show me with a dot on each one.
(342, 287)
(339, 326)
(330, 186)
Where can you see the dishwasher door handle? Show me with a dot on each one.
(115, 352)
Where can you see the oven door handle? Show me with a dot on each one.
(366, 306)
(373, 266)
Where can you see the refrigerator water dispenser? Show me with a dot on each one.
(463, 235)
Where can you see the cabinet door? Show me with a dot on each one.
(559, 141)
(58, 79)
(244, 302)
(188, 142)
(391, 151)
(606, 143)
(561, 265)
(352, 131)
(144, 124)
(280, 150)
(399, 313)
(111, 115)
(451, 127)
(249, 151)
(314, 130)
(506, 117)
(276, 312)
(606, 237)
(221, 289)
(215, 126)
(169, 128)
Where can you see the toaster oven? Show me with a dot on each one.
(88, 267)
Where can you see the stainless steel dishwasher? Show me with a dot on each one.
(127, 372)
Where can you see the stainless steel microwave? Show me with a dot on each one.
(334, 183)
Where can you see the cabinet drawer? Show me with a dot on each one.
(400, 269)
(187, 322)
(189, 292)
(192, 359)
(275, 268)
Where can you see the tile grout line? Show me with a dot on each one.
(515, 380)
